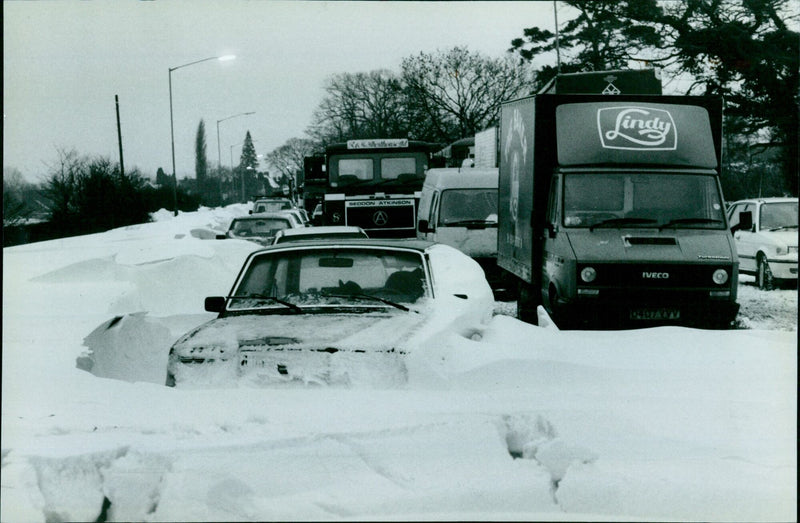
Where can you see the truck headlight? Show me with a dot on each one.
(720, 276)
(588, 274)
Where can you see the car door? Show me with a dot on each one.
(745, 239)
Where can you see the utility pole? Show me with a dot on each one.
(119, 138)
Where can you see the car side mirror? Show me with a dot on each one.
(250, 211)
(462, 296)
(222, 236)
(215, 304)
(423, 226)
(745, 222)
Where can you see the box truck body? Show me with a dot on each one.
(611, 211)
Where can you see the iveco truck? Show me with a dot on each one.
(611, 211)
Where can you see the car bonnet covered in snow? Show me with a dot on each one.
(325, 313)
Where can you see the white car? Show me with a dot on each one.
(325, 232)
(332, 313)
(765, 233)
(261, 228)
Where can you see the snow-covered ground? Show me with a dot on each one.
(521, 422)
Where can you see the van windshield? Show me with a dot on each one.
(642, 200)
(459, 206)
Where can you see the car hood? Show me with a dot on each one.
(648, 245)
(784, 237)
(224, 337)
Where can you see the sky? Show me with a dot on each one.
(65, 61)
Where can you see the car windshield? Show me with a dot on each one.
(326, 276)
(642, 200)
(779, 215)
(260, 227)
(461, 206)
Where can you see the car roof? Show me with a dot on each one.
(413, 244)
(771, 199)
(261, 216)
(324, 229)
(465, 178)
(261, 200)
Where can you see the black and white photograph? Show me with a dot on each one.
(339, 260)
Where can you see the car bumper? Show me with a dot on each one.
(784, 267)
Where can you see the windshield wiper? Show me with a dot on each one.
(256, 296)
(687, 221)
(781, 227)
(475, 223)
(367, 297)
(618, 222)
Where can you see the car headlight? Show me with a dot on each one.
(588, 274)
(720, 276)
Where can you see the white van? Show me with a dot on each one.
(458, 207)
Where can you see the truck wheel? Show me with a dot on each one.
(764, 276)
(527, 303)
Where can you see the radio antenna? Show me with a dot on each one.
(558, 51)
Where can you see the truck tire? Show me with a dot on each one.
(527, 302)
(764, 277)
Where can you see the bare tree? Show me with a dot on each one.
(288, 158)
(360, 105)
(454, 94)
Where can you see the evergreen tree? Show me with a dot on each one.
(200, 162)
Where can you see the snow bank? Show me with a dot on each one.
(501, 420)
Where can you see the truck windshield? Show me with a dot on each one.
(642, 200)
(462, 206)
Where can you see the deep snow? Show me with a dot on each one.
(514, 422)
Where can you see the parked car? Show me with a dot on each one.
(329, 232)
(765, 233)
(260, 228)
(272, 205)
(336, 313)
(298, 213)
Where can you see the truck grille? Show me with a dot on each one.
(651, 276)
(385, 215)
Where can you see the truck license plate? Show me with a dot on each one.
(655, 314)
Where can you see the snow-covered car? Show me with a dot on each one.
(765, 233)
(325, 232)
(340, 313)
(263, 205)
(260, 228)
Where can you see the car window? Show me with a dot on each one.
(305, 277)
(777, 215)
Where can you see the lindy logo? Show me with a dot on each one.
(655, 275)
(636, 128)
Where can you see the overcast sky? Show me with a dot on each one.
(63, 62)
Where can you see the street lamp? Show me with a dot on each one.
(172, 126)
(219, 155)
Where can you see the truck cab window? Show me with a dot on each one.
(360, 168)
(392, 168)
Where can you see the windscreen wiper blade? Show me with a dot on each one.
(687, 221)
(618, 222)
(781, 227)
(467, 223)
(368, 297)
(256, 296)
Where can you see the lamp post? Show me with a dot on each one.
(232, 146)
(172, 125)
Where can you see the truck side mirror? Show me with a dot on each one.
(423, 226)
(745, 222)
(215, 304)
